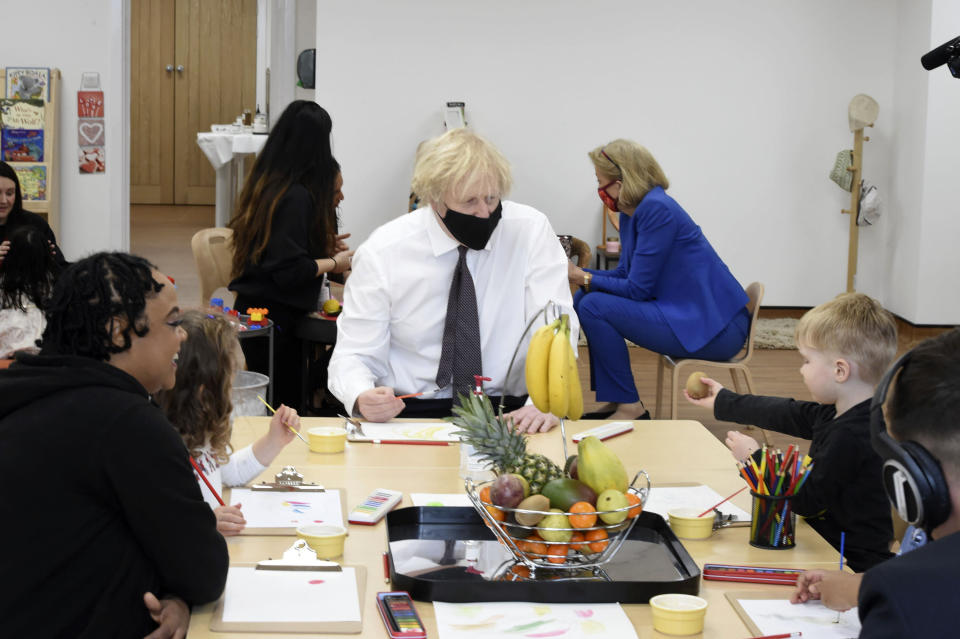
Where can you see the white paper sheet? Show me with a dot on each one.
(276, 595)
(520, 619)
(272, 509)
(663, 498)
(406, 431)
(440, 499)
(813, 619)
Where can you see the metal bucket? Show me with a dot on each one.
(246, 386)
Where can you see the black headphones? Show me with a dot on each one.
(912, 477)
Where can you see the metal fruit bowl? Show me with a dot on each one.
(558, 554)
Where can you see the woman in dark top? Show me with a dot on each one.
(285, 237)
(13, 215)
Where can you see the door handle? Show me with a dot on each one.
(179, 68)
(168, 68)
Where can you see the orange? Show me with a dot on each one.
(520, 571)
(485, 494)
(576, 542)
(535, 548)
(634, 501)
(597, 538)
(557, 554)
(496, 513)
(582, 515)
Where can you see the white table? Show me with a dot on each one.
(227, 153)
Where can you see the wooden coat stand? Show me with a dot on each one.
(854, 210)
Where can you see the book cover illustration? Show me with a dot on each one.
(33, 180)
(21, 145)
(28, 82)
(21, 114)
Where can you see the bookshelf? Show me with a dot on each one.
(49, 168)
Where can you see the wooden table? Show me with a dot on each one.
(670, 451)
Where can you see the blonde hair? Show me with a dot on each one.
(454, 163)
(633, 165)
(199, 404)
(854, 326)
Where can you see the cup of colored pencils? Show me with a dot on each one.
(774, 482)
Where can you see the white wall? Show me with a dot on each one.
(743, 103)
(79, 36)
(305, 38)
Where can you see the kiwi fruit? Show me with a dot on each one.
(696, 388)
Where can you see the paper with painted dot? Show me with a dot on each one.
(275, 595)
(271, 509)
(509, 619)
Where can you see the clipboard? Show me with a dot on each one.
(291, 497)
(305, 590)
(734, 598)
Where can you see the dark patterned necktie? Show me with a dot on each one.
(460, 357)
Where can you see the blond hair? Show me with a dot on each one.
(455, 162)
(633, 165)
(856, 327)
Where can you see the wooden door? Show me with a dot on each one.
(151, 101)
(216, 43)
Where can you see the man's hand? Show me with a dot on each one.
(742, 446)
(230, 520)
(528, 419)
(706, 402)
(172, 615)
(379, 404)
(835, 590)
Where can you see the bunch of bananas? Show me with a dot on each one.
(552, 378)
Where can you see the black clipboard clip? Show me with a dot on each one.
(288, 480)
(299, 556)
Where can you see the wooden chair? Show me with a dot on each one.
(737, 363)
(213, 253)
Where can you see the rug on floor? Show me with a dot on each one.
(775, 334)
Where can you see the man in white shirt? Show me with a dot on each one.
(391, 332)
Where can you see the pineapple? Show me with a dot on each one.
(499, 444)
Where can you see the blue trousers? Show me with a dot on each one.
(607, 319)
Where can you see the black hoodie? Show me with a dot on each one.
(98, 504)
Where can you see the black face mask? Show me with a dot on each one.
(470, 230)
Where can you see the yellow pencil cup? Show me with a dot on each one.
(326, 541)
(686, 525)
(675, 614)
(327, 439)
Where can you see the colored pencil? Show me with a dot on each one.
(785, 635)
(292, 429)
(722, 501)
(206, 481)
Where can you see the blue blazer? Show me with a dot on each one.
(665, 259)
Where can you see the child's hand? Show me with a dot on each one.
(280, 424)
(230, 520)
(707, 402)
(741, 445)
(836, 590)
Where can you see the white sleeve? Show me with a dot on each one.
(547, 279)
(362, 353)
(242, 467)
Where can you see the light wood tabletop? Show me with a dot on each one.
(671, 452)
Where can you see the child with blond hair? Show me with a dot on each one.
(846, 345)
(199, 407)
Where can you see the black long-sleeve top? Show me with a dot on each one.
(287, 271)
(844, 492)
(27, 218)
(98, 504)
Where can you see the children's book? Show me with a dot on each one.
(33, 180)
(21, 145)
(28, 82)
(21, 114)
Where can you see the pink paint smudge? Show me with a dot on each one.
(315, 581)
(552, 633)
(583, 614)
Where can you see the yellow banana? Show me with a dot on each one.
(574, 392)
(538, 354)
(558, 368)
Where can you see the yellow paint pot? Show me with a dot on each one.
(686, 525)
(326, 541)
(327, 439)
(678, 614)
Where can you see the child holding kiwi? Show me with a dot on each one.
(199, 407)
(846, 345)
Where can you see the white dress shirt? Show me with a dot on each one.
(390, 332)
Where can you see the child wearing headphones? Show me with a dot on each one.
(913, 595)
(846, 345)
(199, 408)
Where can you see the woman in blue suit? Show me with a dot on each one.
(670, 292)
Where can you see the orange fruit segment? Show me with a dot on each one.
(582, 515)
(636, 506)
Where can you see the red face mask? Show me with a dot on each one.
(605, 197)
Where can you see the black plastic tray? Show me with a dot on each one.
(428, 543)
